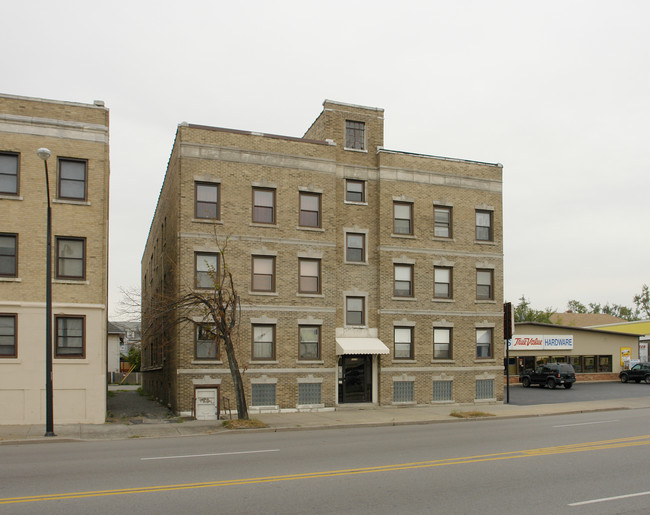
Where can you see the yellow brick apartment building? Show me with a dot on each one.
(366, 275)
(77, 136)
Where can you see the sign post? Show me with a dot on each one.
(508, 329)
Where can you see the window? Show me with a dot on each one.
(263, 342)
(483, 225)
(8, 173)
(8, 255)
(484, 290)
(8, 336)
(355, 191)
(262, 394)
(205, 346)
(309, 393)
(309, 210)
(442, 343)
(402, 222)
(403, 280)
(354, 311)
(442, 282)
(403, 391)
(403, 337)
(442, 391)
(309, 281)
(485, 389)
(484, 343)
(264, 205)
(206, 269)
(355, 247)
(207, 201)
(263, 273)
(309, 342)
(355, 135)
(72, 179)
(442, 221)
(70, 258)
(70, 337)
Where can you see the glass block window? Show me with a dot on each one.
(485, 389)
(262, 395)
(403, 391)
(309, 393)
(442, 390)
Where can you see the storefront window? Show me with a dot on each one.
(604, 363)
(590, 363)
(576, 362)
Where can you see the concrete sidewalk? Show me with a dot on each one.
(347, 417)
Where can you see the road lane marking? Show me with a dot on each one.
(527, 453)
(605, 499)
(588, 423)
(205, 455)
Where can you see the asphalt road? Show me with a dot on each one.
(580, 392)
(531, 465)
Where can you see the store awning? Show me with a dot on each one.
(360, 346)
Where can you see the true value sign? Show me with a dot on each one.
(543, 342)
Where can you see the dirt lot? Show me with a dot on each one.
(127, 405)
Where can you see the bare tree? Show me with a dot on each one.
(218, 310)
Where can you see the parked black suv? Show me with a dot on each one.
(550, 374)
(639, 372)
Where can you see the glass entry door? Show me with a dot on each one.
(355, 381)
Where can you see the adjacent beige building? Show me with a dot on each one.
(366, 275)
(77, 136)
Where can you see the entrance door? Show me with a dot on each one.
(206, 403)
(355, 383)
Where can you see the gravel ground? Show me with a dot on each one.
(128, 406)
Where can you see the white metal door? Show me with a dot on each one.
(206, 403)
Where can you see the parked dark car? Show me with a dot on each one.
(639, 372)
(550, 374)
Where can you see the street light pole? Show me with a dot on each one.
(44, 154)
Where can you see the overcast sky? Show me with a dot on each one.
(556, 91)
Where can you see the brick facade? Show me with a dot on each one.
(77, 133)
(394, 219)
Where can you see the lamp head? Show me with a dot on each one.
(44, 153)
